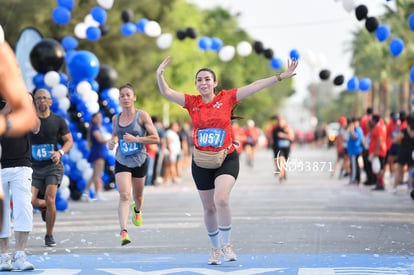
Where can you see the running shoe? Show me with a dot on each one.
(21, 263)
(50, 241)
(5, 264)
(215, 256)
(136, 217)
(228, 253)
(125, 237)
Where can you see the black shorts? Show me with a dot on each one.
(47, 175)
(204, 178)
(136, 172)
(405, 157)
(281, 152)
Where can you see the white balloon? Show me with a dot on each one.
(164, 41)
(227, 53)
(349, 5)
(93, 107)
(91, 96)
(106, 4)
(65, 181)
(64, 103)
(87, 173)
(244, 48)
(83, 88)
(60, 91)
(90, 21)
(80, 30)
(82, 164)
(52, 78)
(113, 93)
(152, 29)
(310, 58)
(1, 34)
(64, 192)
(75, 155)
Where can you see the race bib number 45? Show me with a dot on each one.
(211, 137)
(128, 149)
(42, 151)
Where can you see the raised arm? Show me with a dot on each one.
(165, 90)
(260, 84)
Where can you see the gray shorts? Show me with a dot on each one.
(49, 174)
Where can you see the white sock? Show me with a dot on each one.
(225, 234)
(214, 239)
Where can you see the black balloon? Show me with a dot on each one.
(47, 55)
(181, 34)
(371, 24)
(127, 15)
(191, 32)
(324, 74)
(104, 29)
(268, 53)
(106, 77)
(258, 47)
(361, 12)
(338, 80)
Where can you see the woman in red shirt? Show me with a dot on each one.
(210, 113)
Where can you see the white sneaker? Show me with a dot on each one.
(228, 252)
(215, 255)
(21, 263)
(5, 264)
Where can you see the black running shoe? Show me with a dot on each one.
(50, 241)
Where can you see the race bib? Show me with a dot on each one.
(211, 137)
(283, 143)
(42, 151)
(128, 149)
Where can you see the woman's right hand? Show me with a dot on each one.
(163, 65)
(111, 144)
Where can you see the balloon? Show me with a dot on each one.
(93, 33)
(276, 63)
(47, 55)
(294, 54)
(39, 80)
(66, 4)
(348, 5)
(382, 33)
(361, 12)
(396, 47)
(227, 53)
(338, 80)
(60, 91)
(204, 43)
(353, 84)
(83, 65)
(141, 25)
(89, 21)
(107, 77)
(164, 41)
(52, 78)
(104, 29)
(61, 204)
(64, 103)
(244, 48)
(153, 29)
(371, 24)
(61, 15)
(365, 84)
(191, 32)
(127, 15)
(324, 74)
(106, 4)
(181, 34)
(412, 74)
(216, 44)
(69, 43)
(128, 29)
(411, 21)
(258, 47)
(80, 30)
(268, 53)
(98, 14)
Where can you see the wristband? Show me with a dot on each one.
(278, 77)
(8, 124)
(61, 152)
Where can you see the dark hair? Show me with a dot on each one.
(403, 116)
(127, 85)
(375, 118)
(370, 110)
(207, 70)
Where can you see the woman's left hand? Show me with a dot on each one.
(290, 71)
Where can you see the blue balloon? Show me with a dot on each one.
(412, 74)
(276, 63)
(93, 33)
(353, 84)
(66, 4)
(365, 84)
(61, 204)
(141, 24)
(294, 54)
(99, 14)
(69, 43)
(382, 33)
(128, 29)
(61, 15)
(396, 46)
(83, 65)
(204, 43)
(216, 44)
(63, 78)
(39, 80)
(68, 55)
(411, 21)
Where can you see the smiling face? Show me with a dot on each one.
(205, 82)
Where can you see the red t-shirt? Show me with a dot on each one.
(378, 133)
(212, 121)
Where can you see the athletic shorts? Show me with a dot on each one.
(204, 178)
(49, 174)
(405, 157)
(394, 149)
(136, 172)
(17, 183)
(281, 152)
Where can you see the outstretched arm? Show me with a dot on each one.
(266, 82)
(163, 86)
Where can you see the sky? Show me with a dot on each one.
(321, 30)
